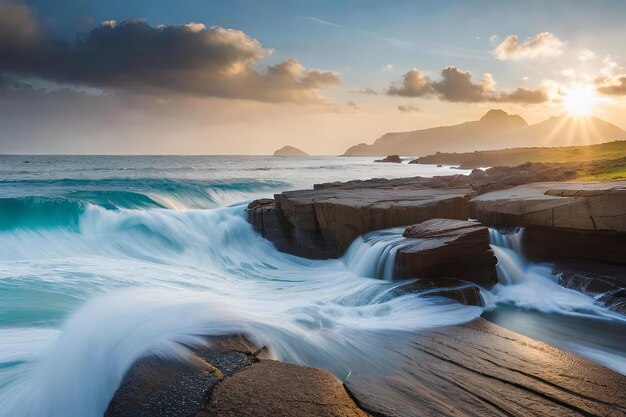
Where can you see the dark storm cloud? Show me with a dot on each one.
(456, 85)
(132, 55)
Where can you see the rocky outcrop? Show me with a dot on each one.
(481, 369)
(230, 378)
(290, 151)
(444, 248)
(593, 207)
(390, 158)
(323, 222)
(563, 220)
(605, 282)
(474, 369)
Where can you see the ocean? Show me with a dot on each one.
(104, 259)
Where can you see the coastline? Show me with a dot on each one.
(477, 368)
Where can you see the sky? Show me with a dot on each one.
(247, 77)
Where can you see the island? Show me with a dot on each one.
(290, 151)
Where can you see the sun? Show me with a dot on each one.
(580, 100)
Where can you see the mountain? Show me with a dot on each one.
(290, 151)
(571, 131)
(495, 130)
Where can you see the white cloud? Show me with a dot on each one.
(541, 45)
(569, 73)
(322, 22)
(586, 55)
(387, 68)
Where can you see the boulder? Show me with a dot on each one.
(229, 377)
(390, 158)
(444, 248)
(274, 389)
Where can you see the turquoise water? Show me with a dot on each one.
(104, 259)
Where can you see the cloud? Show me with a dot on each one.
(414, 84)
(18, 30)
(322, 22)
(134, 56)
(387, 68)
(615, 85)
(408, 109)
(586, 55)
(541, 45)
(457, 85)
(368, 91)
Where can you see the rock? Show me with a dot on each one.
(444, 248)
(290, 151)
(571, 220)
(231, 377)
(156, 387)
(390, 158)
(323, 222)
(460, 291)
(568, 206)
(274, 389)
(605, 282)
(481, 369)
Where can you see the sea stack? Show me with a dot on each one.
(290, 151)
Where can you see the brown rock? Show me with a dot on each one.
(568, 206)
(390, 158)
(481, 369)
(322, 223)
(460, 291)
(444, 248)
(563, 220)
(275, 389)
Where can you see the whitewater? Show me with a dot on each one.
(106, 259)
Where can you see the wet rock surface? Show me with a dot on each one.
(474, 369)
(606, 282)
(230, 378)
(273, 389)
(481, 369)
(563, 220)
(323, 222)
(444, 248)
(454, 289)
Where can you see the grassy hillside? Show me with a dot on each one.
(603, 161)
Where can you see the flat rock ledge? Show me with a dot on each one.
(562, 220)
(323, 222)
(232, 378)
(475, 369)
